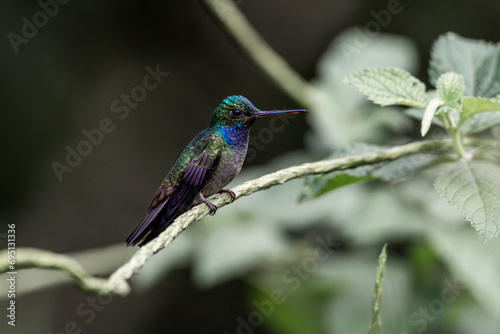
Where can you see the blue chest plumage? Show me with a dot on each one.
(236, 137)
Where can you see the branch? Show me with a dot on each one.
(253, 45)
(39, 258)
(117, 282)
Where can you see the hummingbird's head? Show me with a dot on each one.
(238, 110)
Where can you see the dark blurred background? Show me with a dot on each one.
(64, 80)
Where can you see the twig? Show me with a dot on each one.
(39, 258)
(255, 47)
(117, 282)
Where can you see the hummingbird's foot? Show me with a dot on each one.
(230, 192)
(212, 207)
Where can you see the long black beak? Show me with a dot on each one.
(278, 112)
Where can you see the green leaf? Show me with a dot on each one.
(429, 113)
(480, 122)
(475, 105)
(389, 86)
(450, 86)
(479, 114)
(477, 61)
(473, 188)
(317, 185)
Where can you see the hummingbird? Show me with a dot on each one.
(211, 160)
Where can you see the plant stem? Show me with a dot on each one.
(377, 293)
(457, 138)
(452, 128)
(457, 144)
(255, 47)
(117, 282)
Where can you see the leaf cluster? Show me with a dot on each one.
(465, 102)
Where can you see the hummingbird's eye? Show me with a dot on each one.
(236, 113)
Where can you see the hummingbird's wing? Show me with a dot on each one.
(170, 202)
(159, 200)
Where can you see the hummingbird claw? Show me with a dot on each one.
(212, 207)
(230, 192)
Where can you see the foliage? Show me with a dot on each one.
(471, 184)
